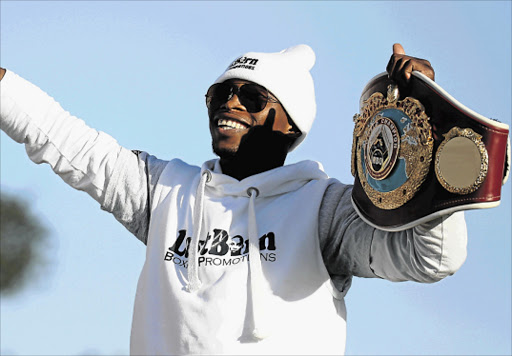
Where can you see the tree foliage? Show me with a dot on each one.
(21, 238)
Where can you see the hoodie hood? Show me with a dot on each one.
(274, 182)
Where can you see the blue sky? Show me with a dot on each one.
(139, 71)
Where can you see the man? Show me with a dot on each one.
(245, 255)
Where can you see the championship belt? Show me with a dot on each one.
(406, 172)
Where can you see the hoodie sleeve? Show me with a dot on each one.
(426, 253)
(86, 159)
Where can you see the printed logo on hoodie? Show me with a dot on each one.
(220, 250)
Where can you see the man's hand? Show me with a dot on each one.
(401, 66)
(2, 73)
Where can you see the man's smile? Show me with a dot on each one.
(227, 121)
(228, 124)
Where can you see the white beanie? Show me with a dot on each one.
(286, 75)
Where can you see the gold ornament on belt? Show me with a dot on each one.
(461, 161)
(392, 148)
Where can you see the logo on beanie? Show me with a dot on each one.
(244, 62)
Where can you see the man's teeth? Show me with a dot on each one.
(231, 124)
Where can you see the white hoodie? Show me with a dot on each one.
(258, 266)
(242, 304)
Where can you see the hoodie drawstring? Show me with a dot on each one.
(255, 271)
(194, 283)
(255, 277)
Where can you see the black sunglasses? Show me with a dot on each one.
(252, 96)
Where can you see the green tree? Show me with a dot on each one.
(21, 244)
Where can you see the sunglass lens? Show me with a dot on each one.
(217, 95)
(253, 97)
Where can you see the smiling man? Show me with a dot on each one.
(245, 255)
(236, 108)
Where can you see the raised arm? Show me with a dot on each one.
(425, 253)
(84, 158)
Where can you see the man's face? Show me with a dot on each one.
(230, 121)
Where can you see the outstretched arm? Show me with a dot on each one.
(84, 158)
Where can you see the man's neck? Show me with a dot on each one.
(259, 151)
(243, 167)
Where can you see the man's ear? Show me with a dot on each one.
(294, 131)
(293, 134)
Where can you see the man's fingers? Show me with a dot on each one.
(269, 122)
(395, 62)
(394, 67)
(390, 65)
(398, 49)
(401, 66)
(406, 70)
